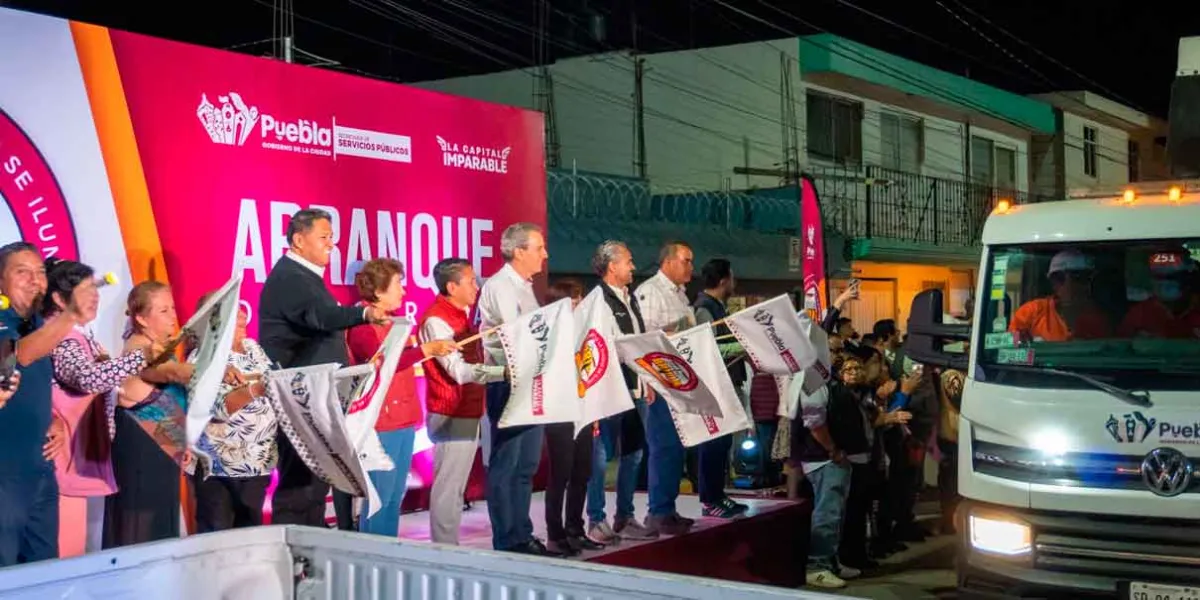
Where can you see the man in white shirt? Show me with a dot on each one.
(454, 394)
(665, 307)
(515, 451)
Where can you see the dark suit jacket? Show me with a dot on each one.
(300, 323)
(633, 433)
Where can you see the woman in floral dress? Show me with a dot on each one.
(237, 451)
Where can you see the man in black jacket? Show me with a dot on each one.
(300, 325)
(623, 434)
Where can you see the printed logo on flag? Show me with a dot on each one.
(670, 370)
(591, 361)
(710, 423)
(540, 330)
(765, 318)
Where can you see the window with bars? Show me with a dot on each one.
(834, 128)
(902, 142)
(1089, 151)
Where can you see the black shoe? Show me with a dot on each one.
(534, 547)
(561, 548)
(582, 544)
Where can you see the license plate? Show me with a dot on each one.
(1154, 591)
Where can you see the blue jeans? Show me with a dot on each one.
(831, 485)
(606, 447)
(391, 485)
(516, 452)
(666, 458)
(28, 518)
(764, 433)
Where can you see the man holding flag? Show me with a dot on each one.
(717, 275)
(515, 451)
(623, 434)
(454, 395)
(665, 308)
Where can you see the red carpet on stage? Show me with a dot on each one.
(767, 546)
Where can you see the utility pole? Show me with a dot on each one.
(639, 105)
(283, 38)
(543, 84)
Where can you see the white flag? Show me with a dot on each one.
(699, 346)
(772, 336)
(214, 324)
(367, 396)
(658, 363)
(540, 350)
(810, 380)
(601, 383)
(311, 416)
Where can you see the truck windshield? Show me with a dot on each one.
(1126, 313)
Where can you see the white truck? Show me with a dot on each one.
(1079, 429)
(1078, 435)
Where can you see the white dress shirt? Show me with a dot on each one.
(503, 299)
(623, 294)
(455, 365)
(664, 305)
(307, 264)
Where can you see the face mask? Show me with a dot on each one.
(1168, 290)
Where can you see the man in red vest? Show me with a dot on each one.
(454, 394)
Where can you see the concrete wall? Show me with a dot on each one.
(1112, 154)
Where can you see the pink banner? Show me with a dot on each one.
(232, 145)
(812, 247)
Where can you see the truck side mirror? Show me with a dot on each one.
(928, 336)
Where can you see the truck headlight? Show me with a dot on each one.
(999, 535)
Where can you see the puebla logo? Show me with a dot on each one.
(670, 370)
(32, 194)
(591, 361)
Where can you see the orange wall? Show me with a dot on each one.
(910, 279)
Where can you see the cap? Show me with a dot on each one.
(1169, 263)
(1070, 260)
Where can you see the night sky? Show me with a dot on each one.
(1123, 50)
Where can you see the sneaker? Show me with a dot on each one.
(719, 510)
(682, 519)
(737, 507)
(668, 524)
(848, 572)
(601, 533)
(824, 579)
(629, 528)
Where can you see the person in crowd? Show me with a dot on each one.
(916, 393)
(32, 437)
(719, 284)
(622, 437)
(665, 307)
(515, 451)
(871, 481)
(764, 410)
(84, 379)
(844, 329)
(1070, 312)
(1173, 311)
(147, 466)
(888, 340)
(454, 394)
(950, 403)
(570, 464)
(831, 429)
(300, 325)
(237, 449)
(380, 286)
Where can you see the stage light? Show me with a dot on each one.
(749, 444)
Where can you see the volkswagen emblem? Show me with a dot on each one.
(1167, 472)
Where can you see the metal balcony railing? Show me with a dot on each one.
(874, 202)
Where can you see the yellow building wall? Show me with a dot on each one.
(909, 280)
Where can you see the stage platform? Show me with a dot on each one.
(768, 545)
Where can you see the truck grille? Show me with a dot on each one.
(1158, 550)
